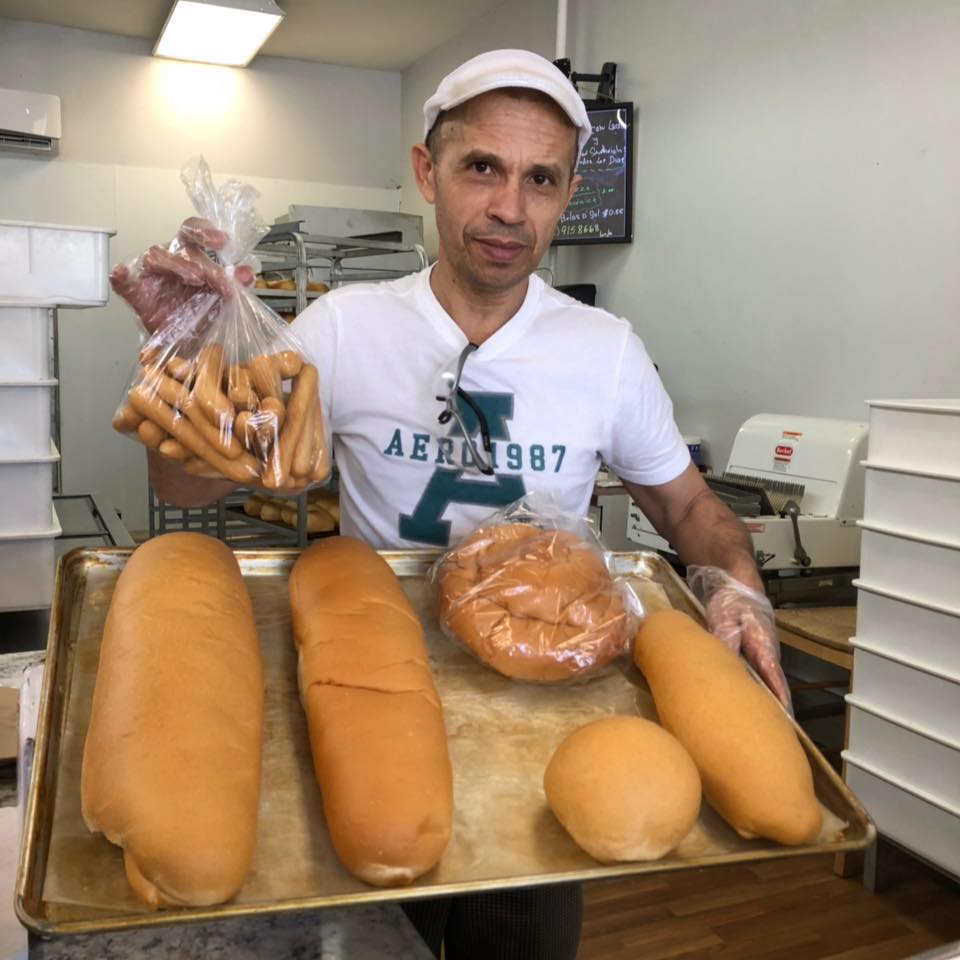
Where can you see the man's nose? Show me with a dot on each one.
(506, 204)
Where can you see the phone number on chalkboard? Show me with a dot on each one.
(595, 229)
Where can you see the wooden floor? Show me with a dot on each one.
(792, 909)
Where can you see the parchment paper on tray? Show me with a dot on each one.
(501, 734)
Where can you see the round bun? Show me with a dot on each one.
(533, 604)
(623, 788)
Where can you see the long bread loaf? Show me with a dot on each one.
(171, 764)
(754, 771)
(375, 721)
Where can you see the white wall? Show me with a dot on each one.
(797, 230)
(129, 122)
(527, 24)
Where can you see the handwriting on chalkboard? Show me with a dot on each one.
(600, 210)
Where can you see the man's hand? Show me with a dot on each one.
(743, 620)
(160, 282)
(708, 537)
(174, 486)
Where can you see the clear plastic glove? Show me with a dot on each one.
(159, 283)
(743, 620)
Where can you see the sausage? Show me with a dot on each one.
(266, 378)
(126, 419)
(200, 468)
(180, 369)
(277, 408)
(222, 440)
(289, 363)
(277, 474)
(306, 449)
(240, 390)
(174, 450)
(212, 401)
(152, 407)
(150, 434)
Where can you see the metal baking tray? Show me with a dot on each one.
(501, 736)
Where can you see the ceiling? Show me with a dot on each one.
(380, 34)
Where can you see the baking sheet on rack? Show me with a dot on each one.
(501, 735)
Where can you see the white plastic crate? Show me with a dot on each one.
(929, 764)
(24, 343)
(924, 504)
(44, 263)
(25, 418)
(921, 435)
(917, 822)
(26, 493)
(896, 625)
(920, 568)
(908, 692)
(27, 567)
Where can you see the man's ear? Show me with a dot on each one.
(424, 171)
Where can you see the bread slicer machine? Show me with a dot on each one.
(798, 485)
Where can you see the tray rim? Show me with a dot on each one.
(32, 842)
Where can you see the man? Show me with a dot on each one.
(455, 391)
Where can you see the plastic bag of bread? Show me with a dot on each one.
(530, 595)
(222, 384)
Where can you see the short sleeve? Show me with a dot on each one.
(317, 328)
(644, 445)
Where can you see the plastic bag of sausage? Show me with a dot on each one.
(529, 593)
(220, 383)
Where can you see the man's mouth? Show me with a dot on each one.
(502, 251)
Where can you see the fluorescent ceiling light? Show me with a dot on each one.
(217, 31)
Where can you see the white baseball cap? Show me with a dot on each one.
(497, 69)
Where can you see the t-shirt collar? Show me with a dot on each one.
(507, 335)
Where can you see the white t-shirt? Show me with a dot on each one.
(563, 385)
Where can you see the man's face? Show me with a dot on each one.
(500, 178)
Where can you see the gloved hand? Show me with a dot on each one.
(742, 619)
(159, 283)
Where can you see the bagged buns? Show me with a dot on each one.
(623, 788)
(171, 764)
(531, 603)
(376, 726)
(754, 771)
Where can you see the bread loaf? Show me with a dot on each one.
(623, 788)
(376, 726)
(754, 771)
(533, 604)
(171, 764)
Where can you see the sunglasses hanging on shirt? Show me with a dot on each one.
(450, 394)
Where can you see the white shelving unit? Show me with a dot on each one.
(903, 757)
(42, 267)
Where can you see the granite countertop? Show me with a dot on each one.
(376, 932)
(12, 666)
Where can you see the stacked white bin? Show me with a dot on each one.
(41, 266)
(903, 757)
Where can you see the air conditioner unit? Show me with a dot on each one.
(29, 123)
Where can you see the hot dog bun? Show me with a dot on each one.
(533, 604)
(376, 725)
(171, 764)
(754, 771)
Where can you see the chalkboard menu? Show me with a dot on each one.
(601, 209)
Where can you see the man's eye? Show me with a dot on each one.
(481, 166)
(542, 179)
